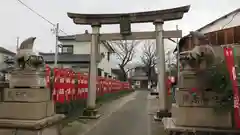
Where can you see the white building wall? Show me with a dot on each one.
(61, 65)
(81, 47)
(1, 57)
(82, 70)
(84, 48)
(228, 22)
(78, 47)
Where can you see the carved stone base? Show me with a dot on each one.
(26, 111)
(26, 95)
(187, 79)
(90, 114)
(27, 79)
(204, 99)
(162, 114)
(172, 129)
(31, 124)
(46, 126)
(53, 130)
(200, 117)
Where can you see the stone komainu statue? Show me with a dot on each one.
(26, 58)
(197, 61)
(199, 55)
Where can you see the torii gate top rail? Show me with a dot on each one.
(138, 17)
(125, 19)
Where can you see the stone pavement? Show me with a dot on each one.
(129, 115)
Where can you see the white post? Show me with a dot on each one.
(161, 66)
(169, 62)
(56, 46)
(17, 44)
(92, 83)
(178, 56)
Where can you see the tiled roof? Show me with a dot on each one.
(68, 37)
(66, 58)
(73, 37)
(183, 39)
(5, 51)
(235, 12)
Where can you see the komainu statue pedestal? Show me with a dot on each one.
(196, 108)
(26, 107)
(27, 79)
(199, 108)
(28, 111)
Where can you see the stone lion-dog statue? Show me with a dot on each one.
(26, 58)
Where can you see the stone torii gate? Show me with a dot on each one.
(125, 19)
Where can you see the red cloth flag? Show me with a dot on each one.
(60, 86)
(85, 86)
(228, 53)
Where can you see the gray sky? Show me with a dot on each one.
(19, 21)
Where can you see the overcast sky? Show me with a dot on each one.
(17, 20)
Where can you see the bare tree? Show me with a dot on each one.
(125, 52)
(149, 58)
(171, 63)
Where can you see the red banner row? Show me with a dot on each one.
(68, 85)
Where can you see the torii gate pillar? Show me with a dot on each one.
(90, 111)
(125, 20)
(163, 101)
(92, 83)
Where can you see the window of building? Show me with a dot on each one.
(108, 56)
(67, 49)
(220, 37)
(105, 74)
(229, 34)
(212, 38)
(237, 34)
(99, 72)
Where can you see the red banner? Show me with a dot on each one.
(228, 53)
(60, 78)
(85, 86)
(79, 86)
(68, 85)
(48, 74)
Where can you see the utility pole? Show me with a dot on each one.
(178, 58)
(56, 45)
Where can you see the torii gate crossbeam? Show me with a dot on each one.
(134, 36)
(125, 19)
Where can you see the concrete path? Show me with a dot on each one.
(131, 115)
(134, 118)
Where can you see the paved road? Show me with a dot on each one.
(133, 118)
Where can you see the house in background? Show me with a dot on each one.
(6, 62)
(76, 55)
(117, 74)
(78, 62)
(138, 77)
(6, 58)
(5, 54)
(223, 31)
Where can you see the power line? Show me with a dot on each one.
(230, 20)
(39, 15)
